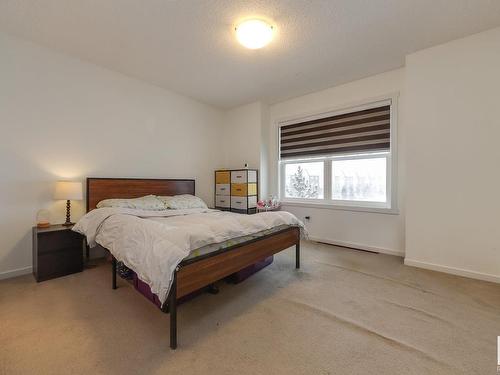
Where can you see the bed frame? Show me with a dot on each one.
(199, 272)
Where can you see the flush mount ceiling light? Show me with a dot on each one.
(254, 34)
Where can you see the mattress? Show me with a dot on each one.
(127, 273)
(207, 249)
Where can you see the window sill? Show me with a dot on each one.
(328, 206)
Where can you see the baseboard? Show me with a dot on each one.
(453, 270)
(13, 273)
(353, 245)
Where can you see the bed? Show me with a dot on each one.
(193, 273)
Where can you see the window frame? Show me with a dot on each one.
(388, 207)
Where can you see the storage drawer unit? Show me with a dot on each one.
(236, 190)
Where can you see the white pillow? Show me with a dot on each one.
(183, 201)
(148, 202)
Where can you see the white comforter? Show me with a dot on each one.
(153, 243)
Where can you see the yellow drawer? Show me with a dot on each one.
(222, 177)
(252, 189)
(239, 190)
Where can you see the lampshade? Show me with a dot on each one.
(68, 190)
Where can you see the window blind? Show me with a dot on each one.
(360, 131)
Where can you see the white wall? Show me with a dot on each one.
(245, 140)
(242, 136)
(264, 152)
(62, 118)
(453, 155)
(367, 230)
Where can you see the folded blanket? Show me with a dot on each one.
(153, 243)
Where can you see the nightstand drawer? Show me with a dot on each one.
(51, 242)
(222, 201)
(59, 264)
(57, 251)
(222, 189)
(239, 190)
(222, 177)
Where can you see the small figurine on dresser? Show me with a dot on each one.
(271, 204)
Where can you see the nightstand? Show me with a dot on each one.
(57, 251)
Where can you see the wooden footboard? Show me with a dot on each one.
(198, 274)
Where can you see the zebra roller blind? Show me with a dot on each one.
(361, 131)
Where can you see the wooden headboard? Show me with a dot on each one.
(105, 188)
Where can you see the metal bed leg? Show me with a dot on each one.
(113, 268)
(172, 309)
(297, 255)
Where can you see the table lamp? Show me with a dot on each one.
(68, 191)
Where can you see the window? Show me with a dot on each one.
(304, 180)
(342, 160)
(360, 179)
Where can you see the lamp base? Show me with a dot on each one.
(68, 222)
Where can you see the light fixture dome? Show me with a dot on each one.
(254, 34)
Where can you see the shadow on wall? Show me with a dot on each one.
(25, 188)
(13, 254)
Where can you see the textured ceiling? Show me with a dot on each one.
(188, 45)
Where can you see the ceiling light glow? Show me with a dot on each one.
(254, 34)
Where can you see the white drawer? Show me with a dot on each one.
(239, 203)
(223, 189)
(222, 201)
(252, 176)
(252, 202)
(239, 177)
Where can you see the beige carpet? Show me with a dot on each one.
(344, 312)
